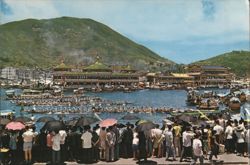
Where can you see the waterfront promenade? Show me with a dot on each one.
(224, 159)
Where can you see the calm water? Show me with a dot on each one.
(152, 98)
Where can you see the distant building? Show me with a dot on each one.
(9, 73)
(208, 75)
(95, 75)
(177, 79)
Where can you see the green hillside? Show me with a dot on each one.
(44, 43)
(238, 61)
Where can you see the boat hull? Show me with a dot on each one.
(234, 106)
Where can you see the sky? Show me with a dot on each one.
(181, 30)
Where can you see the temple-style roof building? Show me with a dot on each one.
(210, 75)
(96, 74)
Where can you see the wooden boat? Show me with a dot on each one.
(234, 104)
(208, 104)
(78, 91)
(10, 93)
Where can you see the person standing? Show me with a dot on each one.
(169, 138)
(72, 144)
(42, 148)
(13, 147)
(102, 139)
(177, 138)
(214, 145)
(63, 148)
(157, 140)
(95, 144)
(110, 141)
(135, 145)
(127, 139)
(142, 146)
(28, 136)
(86, 145)
(117, 137)
(187, 143)
(56, 155)
(197, 149)
(219, 131)
(49, 146)
(240, 140)
(229, 137)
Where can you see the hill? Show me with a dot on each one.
(43, 44)
(238, 61)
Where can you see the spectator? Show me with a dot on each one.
(229, 138)
(56, 155)
(110, 141)
(169, 138)
(187, 143)
(86, 145)
(240, 140)
(197, 149)
(28, 136)
(95, 144)
(142, 147)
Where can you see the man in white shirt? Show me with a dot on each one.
(157, 136)
(229, 138)
(197, 149)
(187, 142)
(28, 136)
(219, 131)
(56, 139)
(86, 145)
(63, 135)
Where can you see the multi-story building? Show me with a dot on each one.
(208, 75)
(177, 79)
(95, 75)
(9, 73)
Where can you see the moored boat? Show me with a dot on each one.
(234, 104)
(10, 93)
(209, 104)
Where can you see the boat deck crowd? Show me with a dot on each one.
(175, 140)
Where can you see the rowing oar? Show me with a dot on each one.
(204, 115)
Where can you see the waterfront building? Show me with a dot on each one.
(207, 75)
(180, 80)
(95, 75)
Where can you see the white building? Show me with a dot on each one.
(9, 73)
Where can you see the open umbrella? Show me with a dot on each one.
(86, 120)
(4, 121)
(71, 122)
(15, 126)
(108, 122)
(144, 125)
(54, 126)
(130, 117)
(22, 119)
(45, 119)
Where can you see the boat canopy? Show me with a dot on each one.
(235, 99)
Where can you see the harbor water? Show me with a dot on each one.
(175, 99)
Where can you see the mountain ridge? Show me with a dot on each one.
(237, 61)
(43, 43)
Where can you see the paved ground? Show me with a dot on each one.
(225, 159)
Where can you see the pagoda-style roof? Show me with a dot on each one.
(181, 75)
(97, 66)
(62, 66)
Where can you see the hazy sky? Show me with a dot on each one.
(181, 30)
